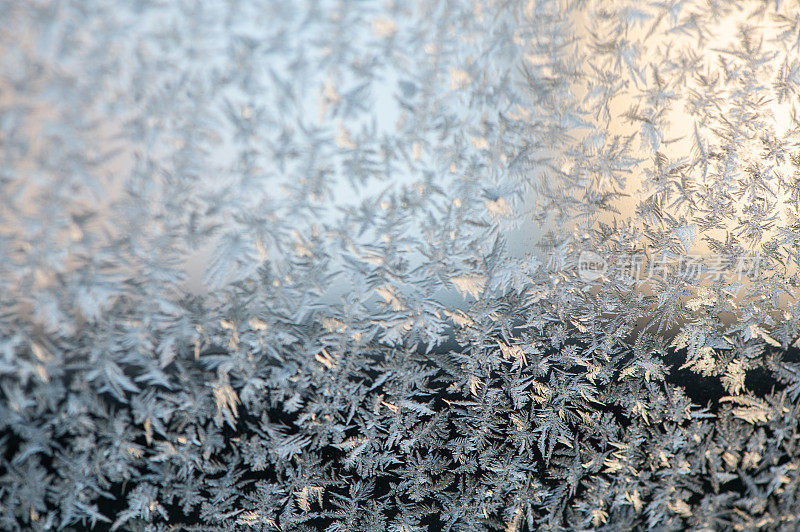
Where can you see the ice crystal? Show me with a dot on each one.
(444, 265)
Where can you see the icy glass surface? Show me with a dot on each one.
(399, 265)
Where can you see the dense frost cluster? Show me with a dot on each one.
(399, 265)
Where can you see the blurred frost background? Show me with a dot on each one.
(327, 150)
(156, 147)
